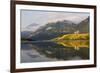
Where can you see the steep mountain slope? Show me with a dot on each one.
(52, 30)
(83, 26)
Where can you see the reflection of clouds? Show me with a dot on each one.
(43, 17)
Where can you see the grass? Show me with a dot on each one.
(78, 36)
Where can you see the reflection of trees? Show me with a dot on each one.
(60, 52)
(76, 44)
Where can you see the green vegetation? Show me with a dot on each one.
(78, 36)
(77, 44)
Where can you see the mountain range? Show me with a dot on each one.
(56, 29)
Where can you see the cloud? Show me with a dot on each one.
(40, 18)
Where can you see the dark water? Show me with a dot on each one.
(54, 51)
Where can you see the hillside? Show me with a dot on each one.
(84, 36)
(53, 30)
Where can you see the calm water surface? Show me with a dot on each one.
(54, 51)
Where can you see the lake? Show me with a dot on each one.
(44, 51)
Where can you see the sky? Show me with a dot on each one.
(32, 19)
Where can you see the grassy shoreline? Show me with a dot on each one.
(82, 36)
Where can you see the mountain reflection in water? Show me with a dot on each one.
(76, 44)
(54, 51)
